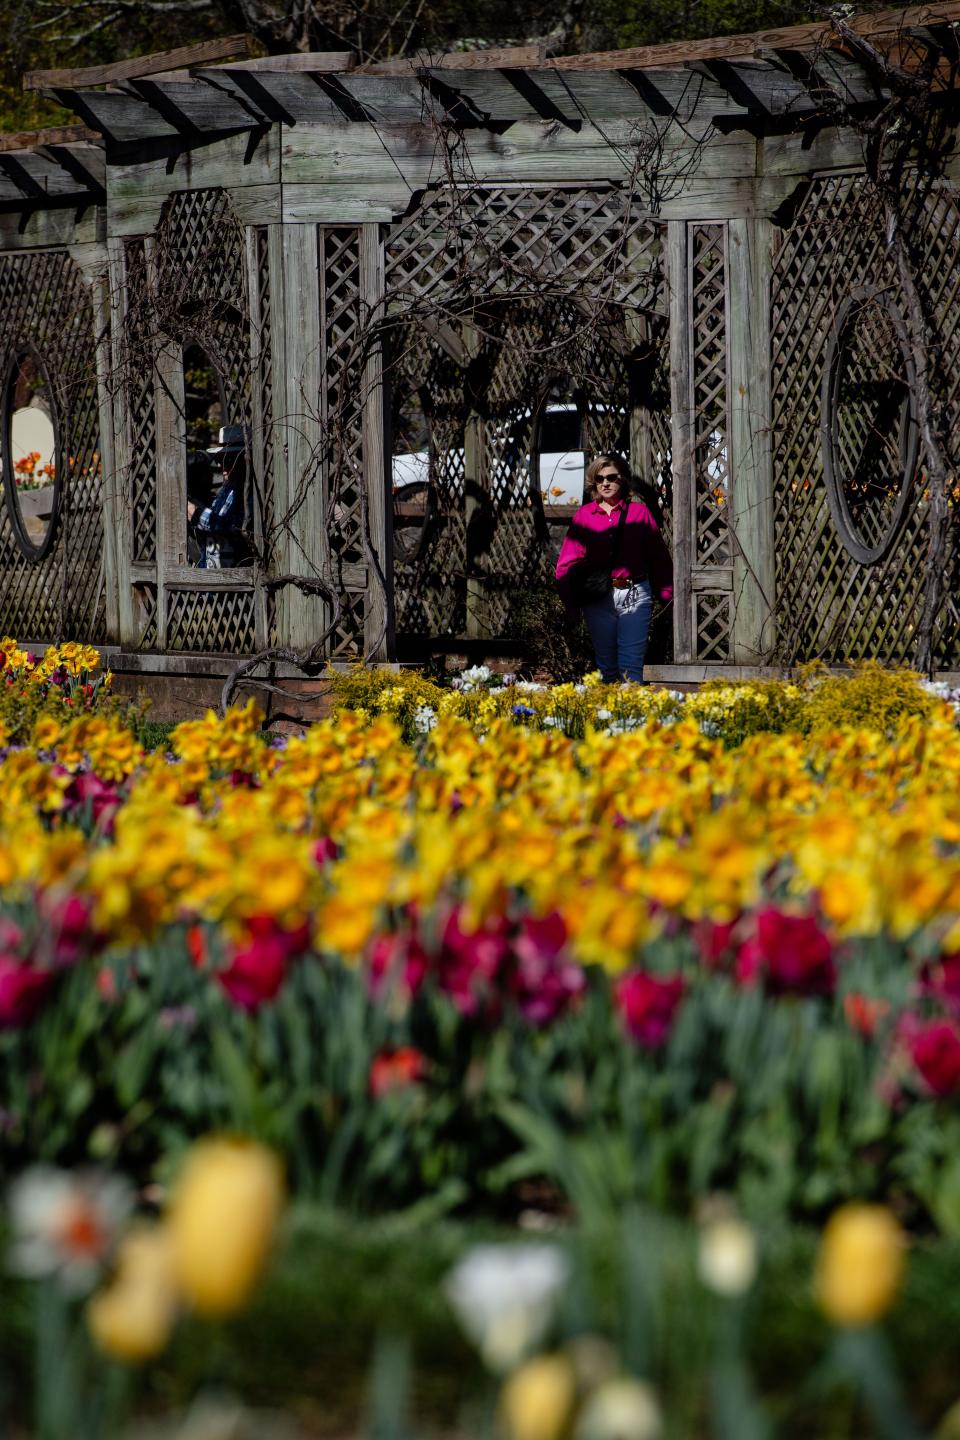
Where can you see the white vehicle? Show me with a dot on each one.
(562, 460)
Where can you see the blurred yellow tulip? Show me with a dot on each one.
(132, 1318)
(860, 1265)
(537, 1401)
(222, 1219)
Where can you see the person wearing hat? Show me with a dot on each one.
(220, 528)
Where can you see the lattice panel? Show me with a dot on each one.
(659, 437)
(710, 398)
(347, 639)
(44, 303)
(829, 604)
(145, 615)
(264, 381)
(542, 275)
(342, 409)
(202, 288)
(429, 560)
(498, 239)
(212, 621)
(141, 415)
(713, 625)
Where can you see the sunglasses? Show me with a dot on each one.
(612, 477)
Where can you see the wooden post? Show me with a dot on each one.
(682, 441)
(378, 615)
(298, 428)
(749, 266)
(94, 262)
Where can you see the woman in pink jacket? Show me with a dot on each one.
(612, 563)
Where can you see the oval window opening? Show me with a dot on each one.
(870, 436)
(31, 455)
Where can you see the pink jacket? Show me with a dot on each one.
(642, 554)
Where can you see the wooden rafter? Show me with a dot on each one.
(884, 23)
(164, 60)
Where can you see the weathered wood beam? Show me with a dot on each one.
(91, 75)
(283, 99)
(40, 177)
(53, 135)
(194, 108)
(314, 62)
(86, 163)
(511, 56)
(353, 157)
(792, 37)
(117, 116)
(33, 227)
(231, 161)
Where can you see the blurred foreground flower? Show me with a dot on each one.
(537, 1401)
(860, 1266)
(504, 1297)
(66, 1225)
(132, 1318)
(222, 1221)
(727, 1255)
(621, 1409)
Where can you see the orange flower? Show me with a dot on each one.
(396, 1070)
(863, 1014)
(197, 947)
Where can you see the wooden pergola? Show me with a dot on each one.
(422, 257)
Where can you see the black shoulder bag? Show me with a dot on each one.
(592, 583)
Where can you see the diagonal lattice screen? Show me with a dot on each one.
(44, 305)
(502, 296)
(830, 604)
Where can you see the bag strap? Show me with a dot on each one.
(616, 539)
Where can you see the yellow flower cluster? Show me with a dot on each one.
(616, 830)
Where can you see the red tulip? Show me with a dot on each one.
(789, 954)
(647, 1005)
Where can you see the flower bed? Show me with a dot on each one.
(728, 965)
(497, 950)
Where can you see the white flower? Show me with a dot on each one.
(530, 686)
(604, 714)
(551, 720)
(476, 675)
(66, 1224)
(727, 1256)
(621, 1409)
(424, 719)
(504, 1297)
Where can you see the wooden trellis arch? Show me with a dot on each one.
(504, 290)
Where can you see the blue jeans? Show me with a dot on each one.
(618, 626)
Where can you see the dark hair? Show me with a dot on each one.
(598, 463)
